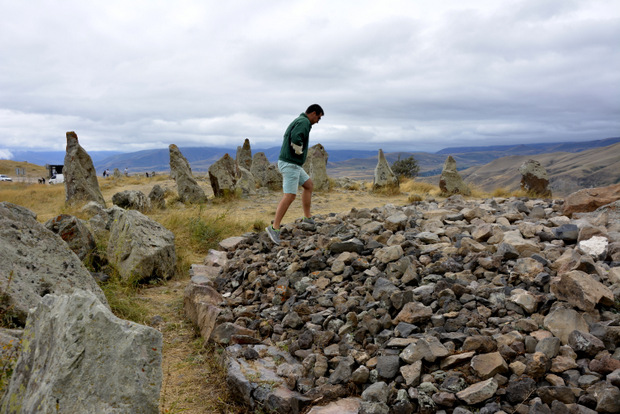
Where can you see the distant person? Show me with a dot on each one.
(103, 174)
(126, 172)
(292, 157)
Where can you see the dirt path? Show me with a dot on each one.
(193, 379)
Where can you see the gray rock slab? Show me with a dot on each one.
(77, 357)
(34, 262)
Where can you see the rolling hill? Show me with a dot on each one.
(568, 171)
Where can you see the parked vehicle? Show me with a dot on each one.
(5, 178)
(57, 179)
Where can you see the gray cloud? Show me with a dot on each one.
(399, 75)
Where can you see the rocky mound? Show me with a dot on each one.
(500, 305)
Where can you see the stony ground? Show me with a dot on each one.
(460, 306)
(194, 380)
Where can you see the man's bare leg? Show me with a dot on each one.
(306, 197)
(282, 208)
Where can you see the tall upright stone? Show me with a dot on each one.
(534, 178)
(187, 187)
(244, 155)
(81, 183)
(265, 174)
(450, 181)
(316, 167)
(384, 176)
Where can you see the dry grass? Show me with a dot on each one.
(505, 193)
(419, 187)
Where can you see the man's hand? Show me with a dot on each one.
(299, 149)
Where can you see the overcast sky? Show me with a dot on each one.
(398, 75)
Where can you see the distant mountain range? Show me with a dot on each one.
(351, 163)
(487, 166)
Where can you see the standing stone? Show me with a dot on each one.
(244, 155)
(265, 173)
(534, 178)
(384, 176)
(81, 183)
(450, 181)
(223, 176)
(117, 173)
(316, 167)
(78, 357)
(245, 182)
(180, 171)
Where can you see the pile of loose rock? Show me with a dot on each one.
(498, 305)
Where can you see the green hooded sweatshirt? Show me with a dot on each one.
(298, 133)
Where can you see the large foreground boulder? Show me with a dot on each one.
(77, 357)
(180, 171)
(589, 199)
(451, 181)
(34, 262)
(140, 248)
(81, 183)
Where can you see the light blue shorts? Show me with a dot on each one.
(292, 176)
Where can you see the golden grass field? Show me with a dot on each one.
(193, 380)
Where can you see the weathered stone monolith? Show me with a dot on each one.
(316, 167)
(245, 182)
(265, 174)
(81, 183)
(244, 155)
(534, 178)
(180, 171)
(223, 176)
(384, 176)
(450, 181)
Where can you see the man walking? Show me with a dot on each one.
(292, 156)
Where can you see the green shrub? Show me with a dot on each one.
(407, 168)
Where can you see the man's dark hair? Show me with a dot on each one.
(316, 108)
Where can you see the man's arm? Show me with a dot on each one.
(298, 134)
